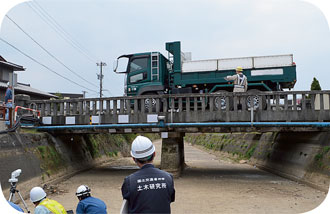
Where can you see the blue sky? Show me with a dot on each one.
(208, 29)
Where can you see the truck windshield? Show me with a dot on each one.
(138, 64)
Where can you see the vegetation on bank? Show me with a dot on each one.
(322, 158)
(51, 160)
(234, 144)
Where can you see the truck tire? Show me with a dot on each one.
(255, 100)
(220, 101)
(150, 103)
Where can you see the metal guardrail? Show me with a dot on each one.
(288, 106)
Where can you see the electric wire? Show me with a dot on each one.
(51, 70)
(64, 31)
(50, 21)
(49, 52)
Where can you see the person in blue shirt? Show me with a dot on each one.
(8, 100)
(88, 204)
(15, 206)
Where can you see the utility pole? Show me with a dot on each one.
(100, 76)
(84, 94)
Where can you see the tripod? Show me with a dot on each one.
(13, 190)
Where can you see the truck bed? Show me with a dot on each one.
(244, 62)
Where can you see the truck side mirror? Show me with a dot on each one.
(115, 65)
(120, 65)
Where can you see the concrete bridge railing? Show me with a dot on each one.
(290, 106)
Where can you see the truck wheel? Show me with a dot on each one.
(220, 101)
(255, 100)
(150, 103)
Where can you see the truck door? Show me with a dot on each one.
(138, 73)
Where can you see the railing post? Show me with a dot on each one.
(61, 108)
(187, 104)
(101, 106)
(277, 102)
(115, 107)
(203, 103)
(235, 103)
(157, 105)
(268, 103)
(54, 109)
(321, 102)
(108, 106)
(294, 102)
(48, 112)
(211, 99)
(303, 102)
(94, 107)
(42, 112)
(136, 106)
(80, 108)
(286, 102)
(243, 102)
(312, 101)
(121, 107)
(74, 108)
(180, 104)
(128, 106)
(142, 105)
(87, 107)
(165, 104)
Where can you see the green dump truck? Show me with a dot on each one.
(152, 73)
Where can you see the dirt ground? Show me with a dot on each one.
(208, 185)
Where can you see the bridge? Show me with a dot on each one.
(225, 112)
(176, 114)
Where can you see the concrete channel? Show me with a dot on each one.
(210, 183)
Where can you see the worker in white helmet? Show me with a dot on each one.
(149, 190)
(88, 204)
(240, 80)
(44, 205)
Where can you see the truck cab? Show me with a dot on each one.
(146, 73)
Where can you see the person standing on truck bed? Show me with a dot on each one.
(240, 80)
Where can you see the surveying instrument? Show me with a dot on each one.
(13, 182)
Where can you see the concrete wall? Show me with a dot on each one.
(302, 156)
(45, 158)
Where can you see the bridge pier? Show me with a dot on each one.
(173, 153)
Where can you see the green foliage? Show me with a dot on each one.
(250, 152)
(320, 156)
(51, 160)
(326, 149)
(93, 146)
(59, 95)
(315, 86)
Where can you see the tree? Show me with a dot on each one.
(315, 86)
(59, 95)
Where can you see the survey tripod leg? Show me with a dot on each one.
(13, 190)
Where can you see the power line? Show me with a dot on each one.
(51, 70)
(50, 21)
(49, 52)
(64, 31)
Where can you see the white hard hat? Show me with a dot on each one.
(36, 194)
(83, 190)
(142, 147)
(8, 83)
